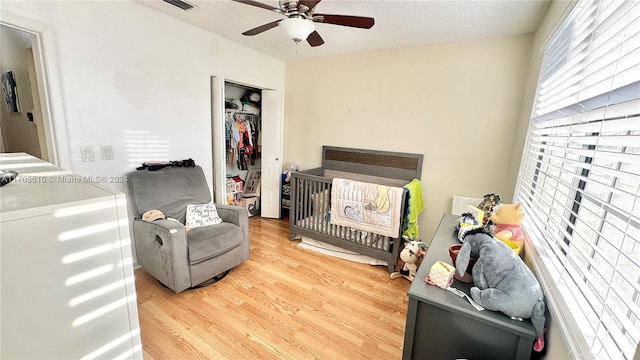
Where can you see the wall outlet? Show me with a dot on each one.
(107, 152)
(87, 153)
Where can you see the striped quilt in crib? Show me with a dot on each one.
(366, 207)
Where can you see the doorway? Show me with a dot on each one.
(258, 167)
(32, 128)
(21, 126)
(243, 140)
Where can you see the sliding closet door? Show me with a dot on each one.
(272, 120)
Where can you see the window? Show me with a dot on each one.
(579, 179)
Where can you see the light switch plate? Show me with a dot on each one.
(107, 152)
(87, 153)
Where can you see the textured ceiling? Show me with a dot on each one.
(398, 23)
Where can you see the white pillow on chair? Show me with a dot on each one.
(201, 215)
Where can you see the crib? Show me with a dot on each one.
(311, 191)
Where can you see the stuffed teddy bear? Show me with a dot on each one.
(503, 282)
(507, 219)
(412, 252)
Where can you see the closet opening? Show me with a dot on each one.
(243, 146)
(256, 160)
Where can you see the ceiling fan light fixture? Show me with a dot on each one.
(297, 29)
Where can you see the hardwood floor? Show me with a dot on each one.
(283, 303)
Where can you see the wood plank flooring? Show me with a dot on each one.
(283, 303)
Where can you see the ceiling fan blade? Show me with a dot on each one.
(309, 3)
(261, 28)
(314, 39)
(257, 4)
(346, 20)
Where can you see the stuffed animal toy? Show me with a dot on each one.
(466, 222)
(502, 280)
(507, 219)
(413, 252)
(291, 167)
(488, 204)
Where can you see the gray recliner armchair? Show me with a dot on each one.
(177, 258)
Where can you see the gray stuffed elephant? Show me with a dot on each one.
(503, 282)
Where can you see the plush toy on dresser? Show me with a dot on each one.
(503, 282)
(507, 219)
(488, 205)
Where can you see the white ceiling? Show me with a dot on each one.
(398, 23)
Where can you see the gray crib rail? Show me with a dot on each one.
(311, 219)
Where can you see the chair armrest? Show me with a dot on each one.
(236, 215)
(161, 249)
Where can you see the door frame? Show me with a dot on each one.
(45, 59)
(217, 138)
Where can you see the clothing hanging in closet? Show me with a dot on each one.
(241, 137)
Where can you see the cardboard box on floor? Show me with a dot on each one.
(252, 204)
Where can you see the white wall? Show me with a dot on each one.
(138, 80)
(456, 103)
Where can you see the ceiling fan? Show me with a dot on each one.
(301, 16)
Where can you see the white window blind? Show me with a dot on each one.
(579, 179)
